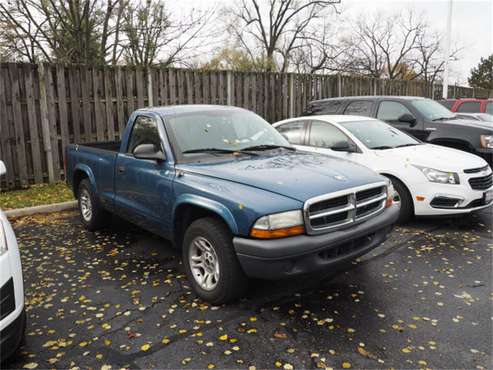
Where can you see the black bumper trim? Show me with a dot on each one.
(274, 259)
(12, 336)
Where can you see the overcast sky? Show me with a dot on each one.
(472, 23)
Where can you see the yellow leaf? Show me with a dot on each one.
(406, 350)
(31, 365)
(223, 337)
(211, 366)
(145, 347)
(346, 365)
(166, 340)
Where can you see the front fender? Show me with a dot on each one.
(209, 204)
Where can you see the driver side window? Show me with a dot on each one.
(145, 131)
(390, 111)
(325, 135)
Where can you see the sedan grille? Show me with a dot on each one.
(476, 170)
(332, 211)
(7, 299)
(481, 183)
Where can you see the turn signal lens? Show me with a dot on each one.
(277, 233)
(390, 194)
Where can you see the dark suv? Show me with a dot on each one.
(423, 118)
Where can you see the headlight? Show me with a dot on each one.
(3, 240)
(486, 141)
(438, 176)
(279, 225)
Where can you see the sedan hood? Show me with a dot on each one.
(297, 175)
(435, 156)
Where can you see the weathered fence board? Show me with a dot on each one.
(45, 107)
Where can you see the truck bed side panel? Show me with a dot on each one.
(98, 165)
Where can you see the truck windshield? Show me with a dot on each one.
(224, 132)
(432, 110)
(378, 135)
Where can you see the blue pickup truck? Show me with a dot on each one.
(227, 189)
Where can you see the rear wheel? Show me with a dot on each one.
(407, 206)
(211, 263)
(93, 216)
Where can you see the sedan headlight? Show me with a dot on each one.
(441, 177)
(486, 141)
(3, 240)
(279, 225)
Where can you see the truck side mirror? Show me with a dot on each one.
(3, 170)
(408, 118)
(148, 151)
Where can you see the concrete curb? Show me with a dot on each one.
(49, 208)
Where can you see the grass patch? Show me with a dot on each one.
(36, 195)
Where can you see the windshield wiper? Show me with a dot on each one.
(217, 151)
(382, 147)
(269, 147)
(445, 118)
(403, 145)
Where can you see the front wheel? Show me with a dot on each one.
(407, 206)
(211, 263)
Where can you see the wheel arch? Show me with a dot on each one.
(453, 143)
(189, 208)
(82, 172)
(393, 176)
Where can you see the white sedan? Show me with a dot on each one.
(12, 313)
(429, 179)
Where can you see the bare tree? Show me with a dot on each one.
(68, 31)
(274, 28)
(152, 35)
(382, 46)
(428, 61)
(318, 51)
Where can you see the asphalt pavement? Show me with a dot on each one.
(119, 298)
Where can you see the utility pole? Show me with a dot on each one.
(448, 41)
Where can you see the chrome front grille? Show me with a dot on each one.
(335, 210)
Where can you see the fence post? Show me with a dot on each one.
(291, 95)
(150, 97)
(229, 87)
(45, 124)
(339, 85)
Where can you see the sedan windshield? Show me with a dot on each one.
(378, 135)
(223, 132)
(432, 110)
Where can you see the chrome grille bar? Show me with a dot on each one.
(371, 201)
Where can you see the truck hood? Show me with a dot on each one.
(469, 123)
(297, 175)
(434, 156)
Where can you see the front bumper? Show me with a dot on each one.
(467, 200)
(280, 258)
(12, 336)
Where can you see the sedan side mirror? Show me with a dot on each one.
(408, 118)
(3, 170)
(148, 151)
(343, 146)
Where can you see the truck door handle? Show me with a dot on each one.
(121, 169)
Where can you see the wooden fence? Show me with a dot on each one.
(45, 107)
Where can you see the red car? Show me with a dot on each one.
(469, 105)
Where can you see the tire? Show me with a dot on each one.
(216, 274)
(407, 206)
(93, 216)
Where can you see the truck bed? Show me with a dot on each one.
(112, 146)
